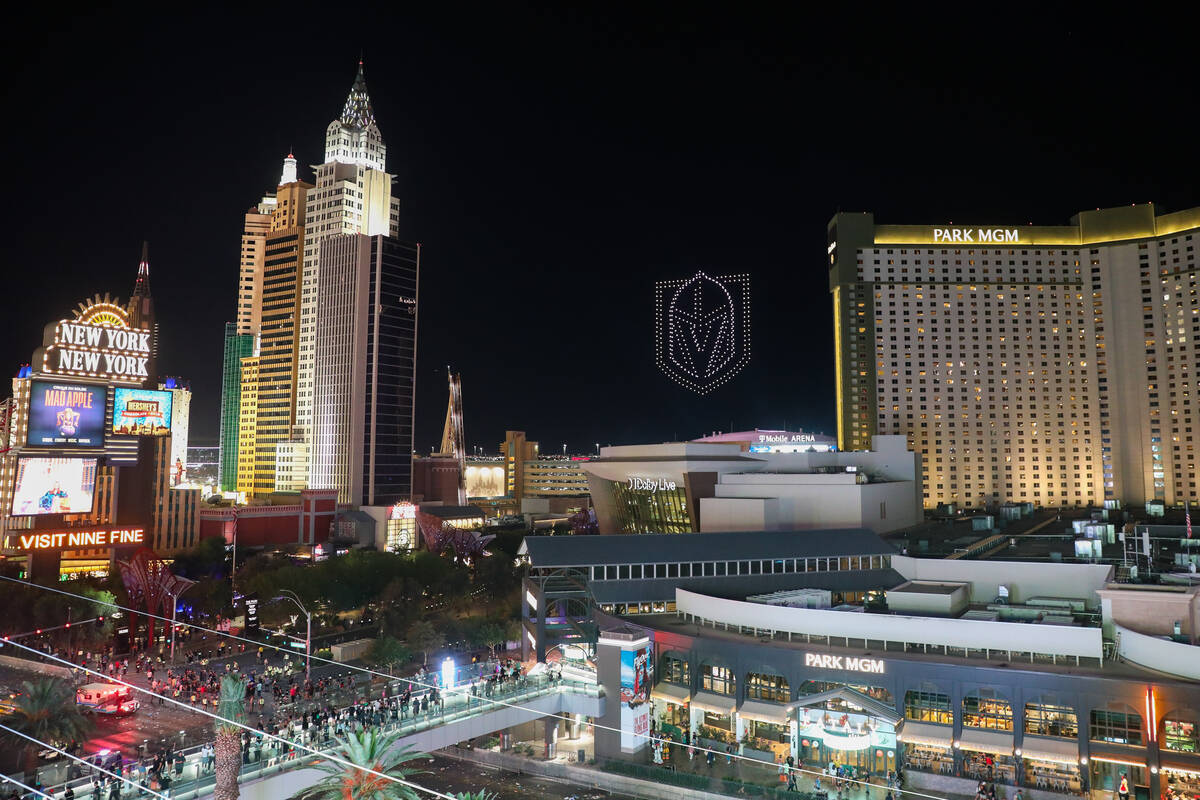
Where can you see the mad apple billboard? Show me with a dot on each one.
(141, 412)
(636, 669)
(54, 485)
(66, 414)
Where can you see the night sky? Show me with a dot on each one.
(555, 162)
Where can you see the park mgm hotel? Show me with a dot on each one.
(1051, 365)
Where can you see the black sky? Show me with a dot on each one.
(554, 162)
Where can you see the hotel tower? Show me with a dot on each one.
(1052, 365)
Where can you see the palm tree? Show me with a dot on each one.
(368, 750)
(46, 711)
(227, 749)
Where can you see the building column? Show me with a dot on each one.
(550, 736)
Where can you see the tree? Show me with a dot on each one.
(477, 795)
(368, 750)
(46, 710)
(423, 637)
(492, 634)
(386, 651)
(228, 745)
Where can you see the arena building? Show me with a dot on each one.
(683, 487)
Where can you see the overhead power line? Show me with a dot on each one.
(299, 746)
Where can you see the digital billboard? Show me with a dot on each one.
(66, 414)
(54, 485)
(141, 412)
(636, 669)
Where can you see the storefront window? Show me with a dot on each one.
(1180, 734)
(716, 679)
(1049, 718)
(1180, 784)
(928, 706)
(675, 670)
(986, 709)
(772, 688)
(1052, 775)
(1107, 775)
(1121, 727)
(991, 767)
(928, 758)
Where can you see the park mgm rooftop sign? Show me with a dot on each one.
(99, 343)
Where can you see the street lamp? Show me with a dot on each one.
(174, 608)
(288, 594)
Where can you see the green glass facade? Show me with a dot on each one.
(644, 511)
(237, 347)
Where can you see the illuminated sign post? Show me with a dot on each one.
(77, 538)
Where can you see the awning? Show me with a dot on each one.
(998, 743)
(1057, 751)
(716, 703)
(764, 712)
(926, 733)
(867, 703)
(1188, 770)
(671, 693)
(1117, 759)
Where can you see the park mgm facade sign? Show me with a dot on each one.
(100, 344)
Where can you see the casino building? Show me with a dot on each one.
(1043, 364)
(92, 459)
(831, 646)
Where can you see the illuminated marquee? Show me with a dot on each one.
(848, 663)
(83, 537)
(98, 343)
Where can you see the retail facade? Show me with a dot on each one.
(831, 647)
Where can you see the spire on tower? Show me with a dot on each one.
(289, 170)
(357, 112)
(141, 287)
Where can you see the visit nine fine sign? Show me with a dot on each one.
(976, 235)
(84, 537)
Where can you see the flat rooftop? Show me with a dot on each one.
(926, 587)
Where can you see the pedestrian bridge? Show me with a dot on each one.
(278, 772)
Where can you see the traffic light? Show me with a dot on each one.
(100, 621)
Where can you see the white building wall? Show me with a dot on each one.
(1025, 579)
(338, 369)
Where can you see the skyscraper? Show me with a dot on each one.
(279, 318)
(1024, 363)
(237, 347)
(240, 336)
(352, 195)
(364, 368)
(258, 392)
